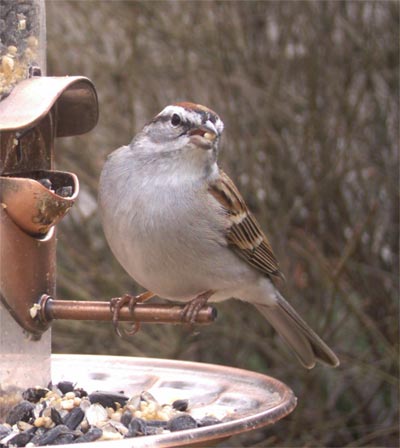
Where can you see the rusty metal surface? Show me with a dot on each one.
(27, 264)
(27, 270)
(100, 311)
(32, 206)
(247, 400)
(31, 100)
(29, 149)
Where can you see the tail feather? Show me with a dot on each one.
(305, 343)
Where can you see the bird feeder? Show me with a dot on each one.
(35, 110)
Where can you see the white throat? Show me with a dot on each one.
(177, 167)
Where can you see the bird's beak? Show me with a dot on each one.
(207, 133)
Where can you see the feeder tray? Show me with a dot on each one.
(247, 400)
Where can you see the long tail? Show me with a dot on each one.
(305, 343)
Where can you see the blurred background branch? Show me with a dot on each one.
(308, 91)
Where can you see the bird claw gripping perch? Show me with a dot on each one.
(131, 301)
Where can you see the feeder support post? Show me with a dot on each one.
(34, 110)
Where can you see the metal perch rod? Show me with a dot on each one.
(51, 308)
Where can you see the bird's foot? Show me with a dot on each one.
(192, 308)
(131, 301)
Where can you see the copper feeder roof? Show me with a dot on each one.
(74, 97)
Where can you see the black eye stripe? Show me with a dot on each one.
(205, 116)
(166, 118)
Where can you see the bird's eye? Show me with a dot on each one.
(175, 120)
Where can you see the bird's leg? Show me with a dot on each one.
(119, 302)
(192, 308)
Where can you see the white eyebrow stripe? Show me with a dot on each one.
(172, 109)
(186, 114)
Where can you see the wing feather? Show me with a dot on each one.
(244, 234)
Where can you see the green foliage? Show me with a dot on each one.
(309, 95)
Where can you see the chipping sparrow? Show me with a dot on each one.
(181, 229)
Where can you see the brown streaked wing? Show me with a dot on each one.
(244, 234)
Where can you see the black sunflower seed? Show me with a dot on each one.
(21, 412)
(181, 422)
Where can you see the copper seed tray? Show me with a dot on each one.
(249, 400)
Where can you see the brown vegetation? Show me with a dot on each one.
(308, 92)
